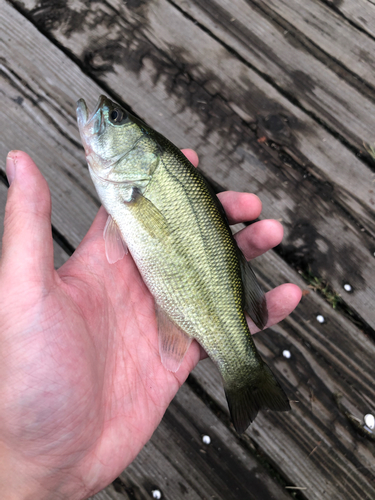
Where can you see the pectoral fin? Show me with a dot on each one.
(148, 215)
(255, 300)
(115, 246)
(173, 342)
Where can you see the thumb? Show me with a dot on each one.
(27, 250)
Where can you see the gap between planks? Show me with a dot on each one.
(150, 100)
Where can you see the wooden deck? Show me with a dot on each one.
(278, 98)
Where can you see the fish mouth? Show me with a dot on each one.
(90, 126)
(82, 113)
(83, 117)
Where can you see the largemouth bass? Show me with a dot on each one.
(162, 210)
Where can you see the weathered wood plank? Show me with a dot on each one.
(34, 143)
(180, 465)
(184, 89)
(45, 99)
(324, 470)
(360, 13)
(281, 66)
(329, 365)
(110, 493)
(257, 164)
(326, 359)
(283, 43)
(293, 68)
(331, 32)
(60, 256)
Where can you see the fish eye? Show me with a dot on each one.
(117, 116)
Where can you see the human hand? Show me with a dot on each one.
(82, 387)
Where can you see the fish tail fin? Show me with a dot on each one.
(262, 392)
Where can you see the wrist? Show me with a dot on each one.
(21, 479)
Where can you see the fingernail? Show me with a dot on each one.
(10, 168)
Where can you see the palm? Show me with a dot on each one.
(116, 342)
(107, 389)
(81, 359)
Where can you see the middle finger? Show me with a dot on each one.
(261, 236)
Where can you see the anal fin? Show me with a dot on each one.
(115, 246)
(173, 342)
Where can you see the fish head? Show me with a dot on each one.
(108, 134)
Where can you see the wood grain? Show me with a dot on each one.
(362, 14)
(307, 51)
(190, 91)
(192, 83)
(180, 465)
(323, 24)
(326, 359)
(35, 127)
(294, 69)
(326, 439)
(38, 110)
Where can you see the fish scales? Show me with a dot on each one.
(212, 309)
(179, 238)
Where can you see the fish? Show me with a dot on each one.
(164, 213)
